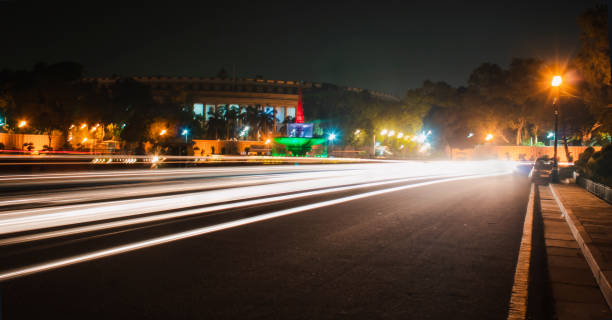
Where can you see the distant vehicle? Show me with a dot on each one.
(544, 163)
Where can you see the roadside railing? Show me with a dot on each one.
(602, 191)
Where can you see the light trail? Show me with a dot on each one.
(184, 213)
(49, 217)
(151, 189)
(63, 262)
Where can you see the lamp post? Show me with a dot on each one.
(186, 134)
(331, 137)
(556, 82)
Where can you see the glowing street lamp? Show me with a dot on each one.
(400, 135)
(556, 81)
(22, 123)
(186, 134)
(83, 125)
(391, 133)
(84, 140)
(331, 137)
(163, 132)
(357, 132)
(383, 132)
(489, 137)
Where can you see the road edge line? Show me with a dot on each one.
(591, 254)
(520, 287)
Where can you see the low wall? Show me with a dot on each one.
(208, 147)
(517, 152)
(12, 141)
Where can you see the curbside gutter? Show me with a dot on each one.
(594, 258)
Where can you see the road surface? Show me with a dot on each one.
(402, 240)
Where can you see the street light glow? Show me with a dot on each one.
(161, 133)
(357, 132)
(332, 137)
(556, 81)
(489, 137)
(383, 132)
(400, 135)
(185, 132)
(391, 133)
(22, 123)
(84, 140)
(83, 125)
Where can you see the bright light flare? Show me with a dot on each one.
(163, 132)
(400, 135)
(383, 132)
(331, 137)
(22, 124)
(489, 137)
(357, 132)
(556, 81)
(84, 140)
(391, 133)
(424, 148)
(83, 125)
(420, 138)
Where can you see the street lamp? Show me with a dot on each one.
(556, 83)
(162, 132)
(489, 137)
(22, 123)
(185, 133)
(331, 137)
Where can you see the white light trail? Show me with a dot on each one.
(20, 272)
(184, 213)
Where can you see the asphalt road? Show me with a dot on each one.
(397, 241)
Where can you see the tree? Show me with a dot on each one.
(593, 65)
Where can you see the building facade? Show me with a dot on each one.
(278, 98)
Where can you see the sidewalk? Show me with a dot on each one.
(590, 220)
(574, 290)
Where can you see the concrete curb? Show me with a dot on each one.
(519, 297)
(594, 258)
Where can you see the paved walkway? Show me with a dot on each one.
(575, 292)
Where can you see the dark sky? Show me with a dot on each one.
(384, 45)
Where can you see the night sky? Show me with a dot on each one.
(389, 46)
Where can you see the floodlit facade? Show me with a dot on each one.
(276, 97)
(279, 98)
